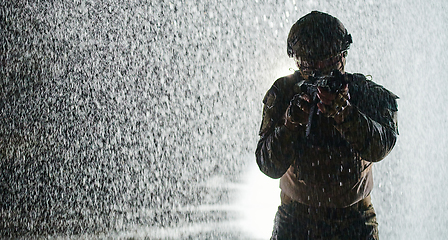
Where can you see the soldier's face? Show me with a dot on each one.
(324, 67)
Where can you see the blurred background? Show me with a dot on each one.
(139, 119)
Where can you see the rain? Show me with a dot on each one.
(139, 119)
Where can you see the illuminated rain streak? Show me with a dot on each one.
(113, 118)
(140, 119)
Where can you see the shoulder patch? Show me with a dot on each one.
(270, 99)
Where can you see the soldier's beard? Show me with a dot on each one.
(322, 72)
(321, 68)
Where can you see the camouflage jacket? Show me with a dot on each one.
(331, 167)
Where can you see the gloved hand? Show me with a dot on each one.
(298, 111)
(334, 104)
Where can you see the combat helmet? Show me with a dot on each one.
(317, 36)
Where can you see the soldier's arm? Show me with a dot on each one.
(372, 134)
(275, 151)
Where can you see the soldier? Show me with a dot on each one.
(322, 130)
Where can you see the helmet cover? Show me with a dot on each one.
(317, 36)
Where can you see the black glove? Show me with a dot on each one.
(334, 99)
(298, 111)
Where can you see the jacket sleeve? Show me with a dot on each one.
(372, 128)
(275, 151)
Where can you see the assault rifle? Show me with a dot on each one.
(333, 83)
